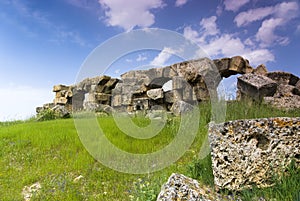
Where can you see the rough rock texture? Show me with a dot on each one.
(261, 70)
(287, 95)
(256, 86)
(192, 81)
(181, 107)
(90, 94)
(283, 77)
(180, 187)
(249, 152)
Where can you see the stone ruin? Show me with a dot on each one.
(191, 82)
(241, 149)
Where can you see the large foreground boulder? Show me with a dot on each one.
(251, 152)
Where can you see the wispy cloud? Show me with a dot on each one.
(161, 59)
(180, 3)
(284, 10)
(131, 13)
(234, 5)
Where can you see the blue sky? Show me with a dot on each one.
(43, 43)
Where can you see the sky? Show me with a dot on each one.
(44, 43)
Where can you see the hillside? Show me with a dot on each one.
(50, 154)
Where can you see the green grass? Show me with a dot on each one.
(51, 153)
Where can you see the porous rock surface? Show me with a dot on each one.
(250, 152)
(180, 187)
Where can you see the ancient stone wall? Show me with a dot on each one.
(90, 94)
(250, 152)
(192, 82)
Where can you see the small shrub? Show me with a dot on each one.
(46, 115)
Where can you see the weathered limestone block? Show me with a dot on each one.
(118, 89)
(256, 86)
(180, 187)
(247, 152)
(169, 72)
(110, 85)
(284, 91)
(240, 65)
(169, 97)
(260, 70)
(126, 99)
(290, 102)
(60, 87)
(178, 82)
(296, 90)
(128, 74)
(283, 78)
(101, 80)
(155, 93)
(223, 66)
(116, 100)
(180, 107)
(102, 97)
(60, 101)
(187, 93)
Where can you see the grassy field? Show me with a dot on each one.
(51, 153)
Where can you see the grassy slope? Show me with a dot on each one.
(51, 153)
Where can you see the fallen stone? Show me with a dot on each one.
(29, 191)
(180, 187)
(155, 93)
(250, 152)
(180, 107)
(283, 78)
(256, 86)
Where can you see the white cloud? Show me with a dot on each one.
(179, 3)
(130, 13)
(226, 45)
(129, 60)
(191, 34)
(234, 5)
(244, 18)
(209, 26)
(266, 34)
(285, 10)
(163, 56)
(19, 102)
(259, 56)
(141, 58)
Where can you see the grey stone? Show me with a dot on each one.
(181, 107)
(260, 70)
(155, 93)
(256, 86)
(283, 77)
